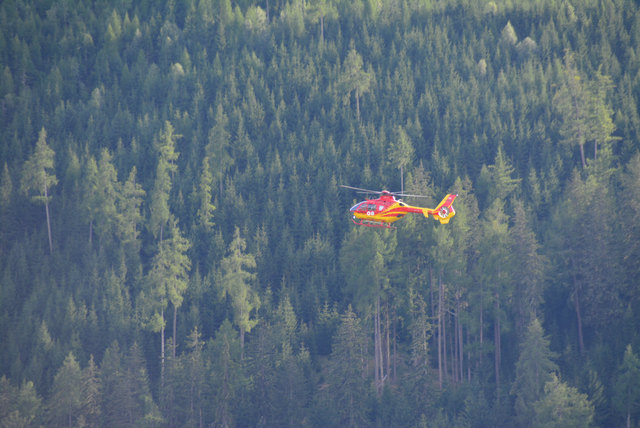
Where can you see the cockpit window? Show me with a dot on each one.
(357, 206)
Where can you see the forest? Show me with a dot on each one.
(176, 249)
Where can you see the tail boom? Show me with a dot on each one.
(444, 211)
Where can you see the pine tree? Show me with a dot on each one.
(347, 372)
(38, 177)
(562, 406)
(19, 406)
(91, 394)
(534, 369)
(160, 212)
(65, 402)
(528, 268)
(237, 283)
(401, 152)
(226, 377)
(354, 78)
(168, 281)
(627, 387)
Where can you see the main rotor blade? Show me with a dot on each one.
(403, 195)
(378, 192)
(361, 190)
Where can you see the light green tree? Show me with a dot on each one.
(205, 207)
(66, 399)
(627, 387)
(218, 146)
(401, 152)
(236, 282)
(354, 78)
(165, 145)
(562, 406)
(168, 280)
(38, 176)
(19, 406)
(319, 10)
(129, 203)
(582, 104)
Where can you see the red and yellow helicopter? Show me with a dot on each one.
(388, 208)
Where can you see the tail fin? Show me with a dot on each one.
(444, 211)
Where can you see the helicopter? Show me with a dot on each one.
(388, 208)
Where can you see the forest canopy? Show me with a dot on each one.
(175, 249)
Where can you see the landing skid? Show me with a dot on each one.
(369, 223)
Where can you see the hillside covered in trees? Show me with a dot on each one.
(175, 249)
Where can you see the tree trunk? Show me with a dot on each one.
(46, 209)
(395, 343)
(175, 324)
(460, 347)
(497, 353)
(388, 344)
(576, 298)
(162, 347)
(376, 369)
(584, 162)
(576, 301)
(440, 334)
(241, 343)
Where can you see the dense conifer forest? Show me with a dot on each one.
(175, 249)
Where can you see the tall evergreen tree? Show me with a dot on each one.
(165, 169)
(237, 283)
(627, 387)
(226, 376)
(354, 78)
(38, 177)
(65, 403)
(347, 373)
(19, 406)
(562, 406)
(534, 369)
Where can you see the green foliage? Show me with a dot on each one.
(19, 406)
(627, 386)
(534, 368)
(562, 406)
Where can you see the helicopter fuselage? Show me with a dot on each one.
(383, 211)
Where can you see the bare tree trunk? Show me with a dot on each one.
(576, 301)
(378, 348)
(395, 344)
(388, 344)
(460, 347)
(162, 346)
(440, 368)
(576, 298)
(376, 357)
(445, 368)
(496, 338)
(175, 324)
(241, 343)
(46, 209)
